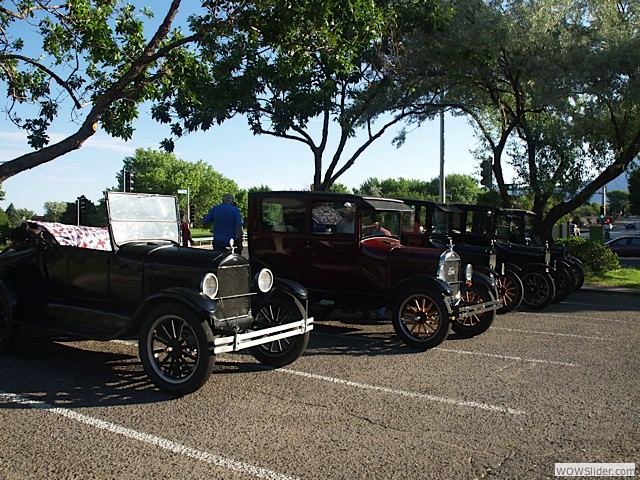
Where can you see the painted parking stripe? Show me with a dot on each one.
(508, 357)
(404, 393)
(154, 440)
(553, 334)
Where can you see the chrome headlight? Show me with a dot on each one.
(468, 273)
(209, 285)
(265, 280)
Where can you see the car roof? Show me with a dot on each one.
(377, 203)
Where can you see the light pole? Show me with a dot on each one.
(443, 189)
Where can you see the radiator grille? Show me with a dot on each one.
(233, 293)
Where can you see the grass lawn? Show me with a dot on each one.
(624, 277)
(200, 232)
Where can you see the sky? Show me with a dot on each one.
(236, 153)
(233, 151)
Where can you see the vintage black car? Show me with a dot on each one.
(345, 249)
(133, 279)
(521, 230)
(545, 280)
(434, 226)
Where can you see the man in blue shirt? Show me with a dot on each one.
(227, 224)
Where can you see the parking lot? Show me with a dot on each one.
(560, 385)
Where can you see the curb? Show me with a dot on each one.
(607, 289)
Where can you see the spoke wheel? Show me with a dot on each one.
(477, 323)
(174, 349)
(539, 289)
(564, 281)
(420, 318)
(510, 291)
(273, 311)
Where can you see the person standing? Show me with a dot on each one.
(227, 224)
(185, 231)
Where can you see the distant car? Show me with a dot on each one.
(625, 246)
(574, 229)
(630, 226)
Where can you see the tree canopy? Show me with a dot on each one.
(92, 63)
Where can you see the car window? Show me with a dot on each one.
(331, 218)
(140, 217)
(380, 223)
(285, 215)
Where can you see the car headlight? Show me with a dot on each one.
(265, 280)
(468, 274)
(209, 285)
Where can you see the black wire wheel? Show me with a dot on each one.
(174, 349)
(564, 281)
(476, 323)
(539, 289)
(510, 291)
(273, 311)
(420, 318)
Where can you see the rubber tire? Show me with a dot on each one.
(8, 328)
(578, 272)
(510, 286)
(273, 311)
(564, 281)
(195, 344)
(432, 302)
(478, 293)
(539, 289)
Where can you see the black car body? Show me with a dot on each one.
(131, 279)
(345, 249)
(435, 225)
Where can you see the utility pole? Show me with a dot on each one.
(443, 189)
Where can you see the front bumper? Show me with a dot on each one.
(464, 311)
(240, 341)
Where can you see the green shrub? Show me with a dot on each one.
(596, 256)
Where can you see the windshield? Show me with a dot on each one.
(385, 223)
(135, 217)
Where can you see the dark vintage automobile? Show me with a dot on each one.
(521, 228)
(544, 280)
(133, 279)
(345, 249)
(434, 225)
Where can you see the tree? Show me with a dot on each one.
(93, 61)
(554, 83)
(298, 62)
(18, 215)
(460, 188)
(53, 211)
(618, 201)
(633, 182)
(156, 171)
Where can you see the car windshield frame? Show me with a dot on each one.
(136, 217)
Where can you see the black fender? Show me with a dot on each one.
(514, 268)
(482, 279)
(293, 289)
(485, 271)
(423, 281)
(539, 267)
(574, 260)
(202, 305)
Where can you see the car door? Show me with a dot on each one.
(332, 245)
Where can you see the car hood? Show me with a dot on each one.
(169, 255)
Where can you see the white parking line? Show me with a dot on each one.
(508, 357)
(548, 333)
(169, 445)
(404, 393)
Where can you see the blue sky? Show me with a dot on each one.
(233, 151)
(237, 154)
